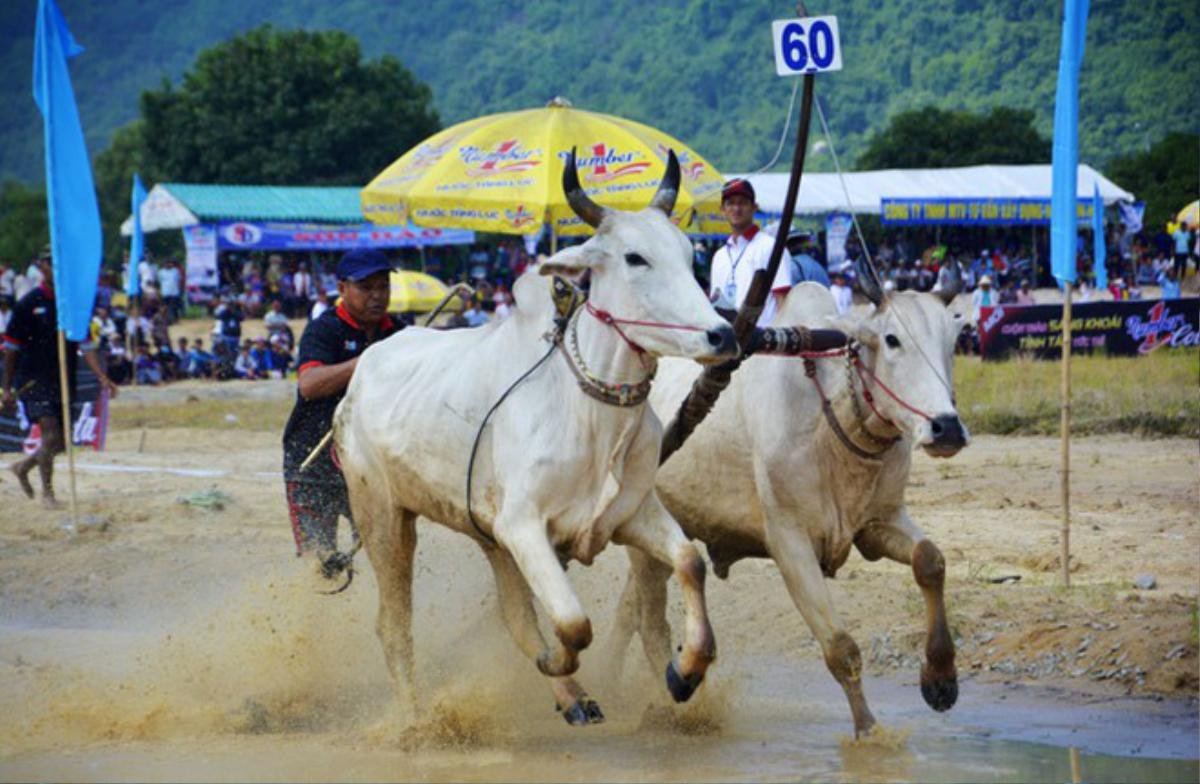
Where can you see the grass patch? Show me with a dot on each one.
(253, 415)
(1157, 395)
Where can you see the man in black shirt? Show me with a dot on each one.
(329, 351)
(31, 366)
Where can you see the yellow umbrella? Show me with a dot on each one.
(503, 173)
(416, 292)
(1189, 215)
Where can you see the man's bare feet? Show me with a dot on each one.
(23, 478)
(50, 502)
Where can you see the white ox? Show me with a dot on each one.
(766, 475)
(558, 474)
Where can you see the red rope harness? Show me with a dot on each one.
(863, 369)
(604, 317)
(863, 373)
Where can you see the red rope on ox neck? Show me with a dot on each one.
(605, 317)
(863, 372)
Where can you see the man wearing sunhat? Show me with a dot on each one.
(329, 351)
(745, 251)
(31, 372)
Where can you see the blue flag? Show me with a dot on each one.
(75, 239)
(137, 243)
(1101, 250)
(1063, 216)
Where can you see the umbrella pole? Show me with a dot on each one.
(553, 242)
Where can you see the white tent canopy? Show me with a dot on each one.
(822, 192)
(161, 210)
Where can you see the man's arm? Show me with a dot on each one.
(89, 358)
(318, 381)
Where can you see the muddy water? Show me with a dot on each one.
(253, 677)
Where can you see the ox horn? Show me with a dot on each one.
(582, 205)
(668, 189)
(868, 281)
(953, 283)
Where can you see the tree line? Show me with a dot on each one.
(306, 108)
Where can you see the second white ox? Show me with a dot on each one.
(557, 474)
(768, 475)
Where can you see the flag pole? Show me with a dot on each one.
(68, 434)
(1065, 431)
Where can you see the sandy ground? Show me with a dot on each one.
(164, 640)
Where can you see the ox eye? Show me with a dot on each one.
(636, 260)
(892, 341)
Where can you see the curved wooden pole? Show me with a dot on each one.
(708, 387)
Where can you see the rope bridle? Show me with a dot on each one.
(866, 377)
(614, 393)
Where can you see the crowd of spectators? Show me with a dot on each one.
(999, 268)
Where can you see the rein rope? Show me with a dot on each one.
(866, 376)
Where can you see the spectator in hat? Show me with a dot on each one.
(1024, 295)
(982, 297)
(804, 266)
(745, 251)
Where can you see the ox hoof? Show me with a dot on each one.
(581, 712)
(939, 693)
(682, 688)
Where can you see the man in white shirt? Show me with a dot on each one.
(170, 281)
(982, 297)
(147, 275)
(843, 295)
(745, 251)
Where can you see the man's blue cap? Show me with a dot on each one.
(362, 263)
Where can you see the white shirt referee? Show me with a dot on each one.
(747, 250)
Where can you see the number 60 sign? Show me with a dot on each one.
(807, 45)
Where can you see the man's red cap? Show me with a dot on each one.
(738, 187)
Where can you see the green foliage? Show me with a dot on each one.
(1164, 176)
(23, 226)
(931, 137)
(272, 107)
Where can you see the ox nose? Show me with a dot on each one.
(948, 431)
(722, 340)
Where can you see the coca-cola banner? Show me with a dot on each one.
(1132, 328)
(89, 419)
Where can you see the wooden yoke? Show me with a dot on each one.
(715, 378)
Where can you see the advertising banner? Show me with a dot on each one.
(1132, 328)
(837, 229)
(201, 244)
(974, 212)
(89, 419)
(253, 235)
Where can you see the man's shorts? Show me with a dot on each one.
(40, 402)
(314, 508)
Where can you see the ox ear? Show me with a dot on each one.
(568, 262)
(855, 329)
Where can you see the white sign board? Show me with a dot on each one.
(809, 45)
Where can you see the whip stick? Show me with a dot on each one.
(712, 382)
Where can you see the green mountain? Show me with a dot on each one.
(701, 70)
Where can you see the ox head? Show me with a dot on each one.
(641, 270)
(910, 338)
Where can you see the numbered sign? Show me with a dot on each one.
(807, 45)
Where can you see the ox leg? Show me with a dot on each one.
(653, 531)
(793, 553)
(516, 607)
(642, 609)
(391, 542)
(539, 565)
(902, 541)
